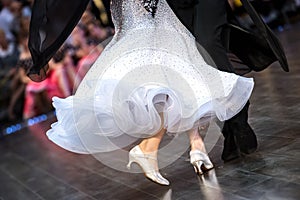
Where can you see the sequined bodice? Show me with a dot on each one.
(128, 14)
(136, 28)
(131, 14)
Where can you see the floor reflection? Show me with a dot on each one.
(168, 195)
(209, 186)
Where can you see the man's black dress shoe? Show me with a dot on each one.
(245, 138)
(230, 149)
(239, 136)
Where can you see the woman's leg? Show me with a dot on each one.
(151, 145)
(196, 140)
(198, 155)
(145, 155)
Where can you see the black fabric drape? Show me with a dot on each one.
(51, 23)
(256, 49)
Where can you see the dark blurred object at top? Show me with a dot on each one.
(251, 39)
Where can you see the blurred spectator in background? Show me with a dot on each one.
(277, 14)
(97, 32)
(6, 18)
(10, 16)
(88, 60)
(20, 79)
(60, 77)
(26, 8)
(87, 17)
(9, 55)
(78, 42)
(101, 10)
(69, 69)
(36, 99)
(58, 83)
(33, 91)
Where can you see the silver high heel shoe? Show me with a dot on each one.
(148, 163)
(200, 161)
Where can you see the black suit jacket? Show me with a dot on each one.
(259, 49)
(256, 49)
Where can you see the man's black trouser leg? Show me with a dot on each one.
(210, 21)
(210, 18)
(244, 136)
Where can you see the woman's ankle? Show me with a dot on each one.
(197, 145)
(147, 149)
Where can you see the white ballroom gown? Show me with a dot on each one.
(151, 66)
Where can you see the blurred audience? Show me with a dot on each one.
(10, 16)
(20, 80)
(85, 62)
(278, 14)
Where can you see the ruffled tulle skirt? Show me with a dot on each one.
(134, 101)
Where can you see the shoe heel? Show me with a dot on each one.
(208, 166)
(129, 162)
(200, 162)
(197, 167)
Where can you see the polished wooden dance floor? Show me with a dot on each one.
(31, 167)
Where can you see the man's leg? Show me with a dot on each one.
(185, 11)
(210, 21)
(244, 135)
